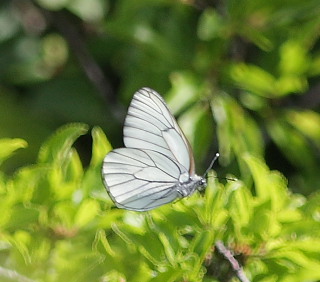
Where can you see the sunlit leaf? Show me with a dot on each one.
(87, 211)
(307, 122)
(254, 79)
(100, 146)
(9, 146)
(293, 58)
(185, 91)
(292, 143)
(211, 25)
(269, 185)
(57, 147)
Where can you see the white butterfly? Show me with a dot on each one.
(157, 165)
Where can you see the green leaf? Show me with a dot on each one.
(92, 183)
(101, 237)
(170, 255)
(214, 213)
(9, 146)
(307, 122)
(30, 185)
(63, 214)
(88, 12)
(269, 185)
(264, 223)
(258, 37)
(58, 146)
(87, 211)
(294, 60)
(254, 79)
(58, 186)
(287, 84)
(202, 243)
(185, 91)
(240, 206)
(21, 217)
(100, 147)
(21, 241)
(237, 132)
(292, 143)
(74, 170)
(300, 266)
(211, 25)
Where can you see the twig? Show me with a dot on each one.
(79, 48)
(222, 249)
(64, 23)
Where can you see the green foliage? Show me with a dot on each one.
(8, 146)
(242, 77)
(57, 224)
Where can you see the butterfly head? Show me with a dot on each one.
(199, 182)
(202, 184)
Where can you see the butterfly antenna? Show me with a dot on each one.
(211, 164)
(227, 178)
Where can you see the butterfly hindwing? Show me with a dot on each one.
(141, 179)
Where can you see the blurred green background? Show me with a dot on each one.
(242, 77)
(66, 61)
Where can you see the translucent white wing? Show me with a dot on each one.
(141, 179)
(150, 125)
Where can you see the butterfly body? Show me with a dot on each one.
(156, 166)
(189, 187)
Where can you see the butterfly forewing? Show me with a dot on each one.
(150, 125)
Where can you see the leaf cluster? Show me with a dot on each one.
(58, 223)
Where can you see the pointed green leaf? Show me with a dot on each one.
(100, 146)
(9, 146)
(58, 146)
(270, 186)
(254, 79)
(86, 212)
(240, 206)
(307, 122)
(292, 143)
(169, 251)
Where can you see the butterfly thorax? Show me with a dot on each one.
(190, 185)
